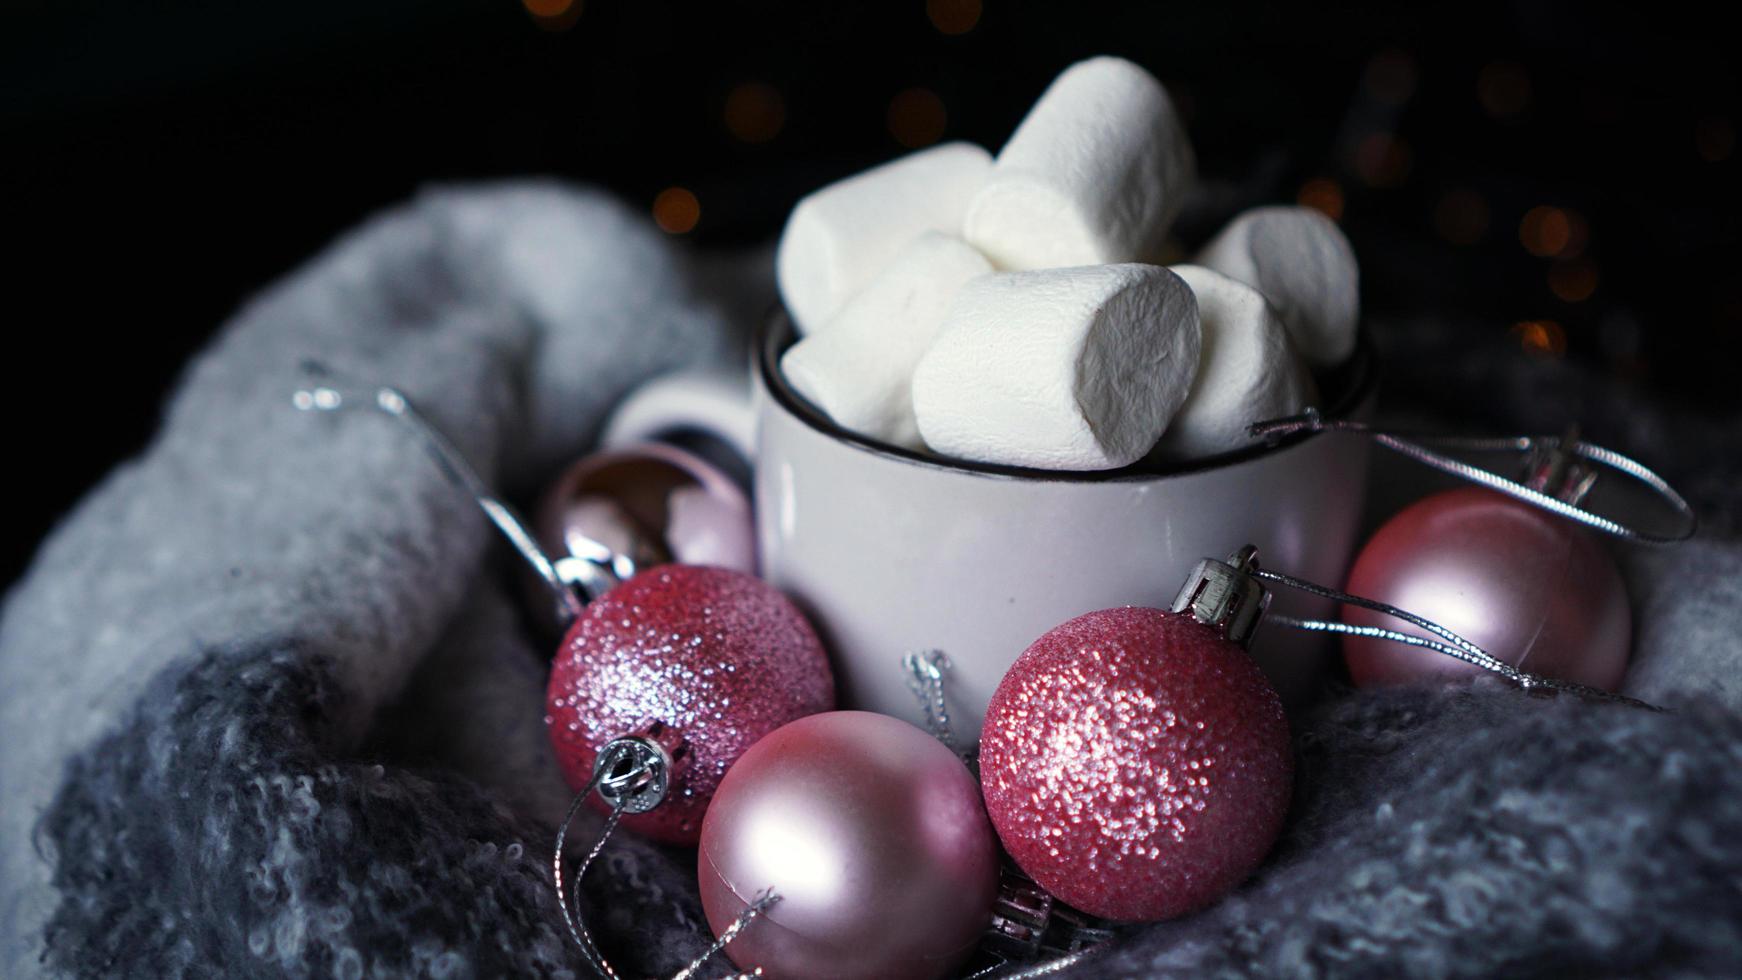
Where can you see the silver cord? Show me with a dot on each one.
(633, 782)
(925, 678)
(452, 463)
(1454, 645)
(762, 903)
(997, 971)
(576, 924)
(1312, 421)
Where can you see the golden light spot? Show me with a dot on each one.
(1548, 232)
(1715, 139)
(1461, 217)
(953, 16)
(1390, 77)
(1544, 338)
(676, 210)
(1503, 89)
(1573, 282)
(1383, 160)
(553, 15)
(917, 117)
(1322, 194)
(755, 112)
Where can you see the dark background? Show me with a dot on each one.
(1553, 175)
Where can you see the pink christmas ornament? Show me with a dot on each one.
(1136, 762)
(718, 657)
(1529, 587)
(616, 511)
(873, 837)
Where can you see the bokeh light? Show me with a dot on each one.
(1504, 90)
(1544, 338)
(676, 210)
(755, 112)
(1550, 232)
(953, 16)
(1322, 194)
(917, 117)
(1574, 281)
(553, 15)
(1461, 217)
(1383, 160)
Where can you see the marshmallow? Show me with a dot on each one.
(1301, 262)
(858, 367)
(1247, 369)
(1095, 173)
(839, 238)
(1069, 369)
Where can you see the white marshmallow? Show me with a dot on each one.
(1094, 174)
(1069, 369)
(840, 237)
(858, 367)
(1300, 261)
(1247, 369)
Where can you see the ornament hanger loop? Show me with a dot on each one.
(925, 678)
(1412, 447)
(1448, 642)
(633, 774)
(390, 401)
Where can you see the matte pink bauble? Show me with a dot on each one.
(873, 835)
(1136, 763)
(719, 657)
(1532, 589)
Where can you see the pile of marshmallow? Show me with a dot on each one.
(1006, 310)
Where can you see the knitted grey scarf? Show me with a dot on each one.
(267, 708)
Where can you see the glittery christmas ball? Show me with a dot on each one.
(1533, 589)
(1136, 763)
(719, 656)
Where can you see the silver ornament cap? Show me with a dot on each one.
(1226, 595)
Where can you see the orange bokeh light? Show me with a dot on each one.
(1548, 232)
(953, 16)
(1573, 282)
(676, 210)
(917, 117)
(553, 15)
(1545, 338)
(1322, 194)
(755, 112)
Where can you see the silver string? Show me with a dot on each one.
(762, 903)
(574, 920)
(1312, 421)
(997, 970)
(925, 678)
(453, 465)
(1454, 645)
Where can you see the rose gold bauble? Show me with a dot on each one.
(1532, 589)
(873, 835)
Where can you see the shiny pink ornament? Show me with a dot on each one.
(720, 657)
(1136, 763)
(661, 497)
(1532, 589)
(873, 835)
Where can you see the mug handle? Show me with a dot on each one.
(714, 403)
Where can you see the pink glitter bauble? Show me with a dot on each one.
(1136, 763)
(719, 656)
(1532, 589)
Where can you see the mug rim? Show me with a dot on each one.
(1358, 377)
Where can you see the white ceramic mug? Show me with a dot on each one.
(890, 550)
